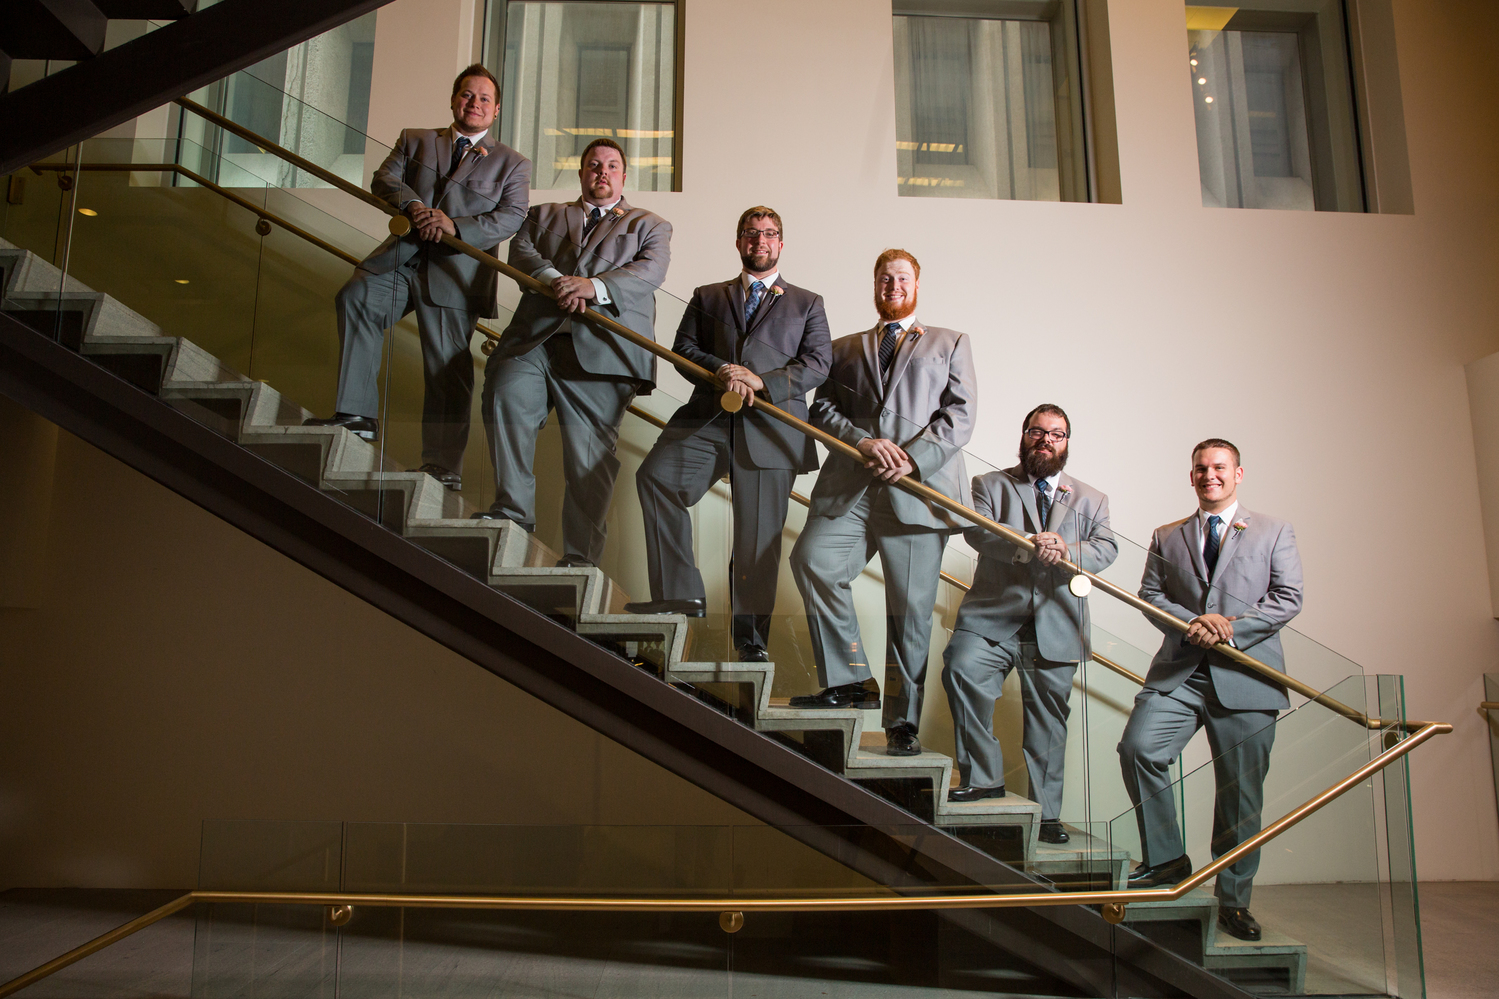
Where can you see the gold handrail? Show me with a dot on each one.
(183, 171)
(731, 402)
(1113, 903)
(1488, 705)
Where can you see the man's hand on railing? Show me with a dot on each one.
(1050, 548)
(741, 381)
(886, 459)
(573, 293)
(431, 223)
(1209, 630)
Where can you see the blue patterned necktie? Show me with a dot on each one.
(1210, 544)
(592, 221)
(752, 302)
(1043, 501)
(887, 346)
(459, 148)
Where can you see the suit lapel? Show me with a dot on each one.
(736, 302)
(444, 157)
(1230, 541)
(470, 161)
(1027, 496)
(767, 302)
(610, 219)
(1192, 531)
(905, 349)
(871, 347)
(575, 215)
(1060, 506)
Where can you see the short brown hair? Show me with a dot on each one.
(475, 70)
(889, 255)
(1212, 442)
(1047, 407)
(760, 212)
(623, 159)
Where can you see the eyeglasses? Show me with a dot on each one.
(1036, 433)
(750, 235)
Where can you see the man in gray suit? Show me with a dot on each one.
(1236, 576)
(596, 251)
(905, 395)
(1020, 612)
(765, 338)
(455, 181)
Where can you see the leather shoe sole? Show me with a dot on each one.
(689, 608)
(1237, 922)
(849, 695)
(962, 795)
(366, 427)
(1052, 832)
(1169, 873)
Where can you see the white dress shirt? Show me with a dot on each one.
(1227, 516)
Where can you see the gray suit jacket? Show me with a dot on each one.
(1006, 591)
(1258, 580)
(628, 250)
(928, 409)
(486, 198)
(786, 343)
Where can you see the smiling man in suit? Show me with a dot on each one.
(453, 181)
(767, 339)
(596, 251)
(905, 395)
(1236, 577)
(1020, 612)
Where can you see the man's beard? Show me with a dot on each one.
(894, 314)
(748, 262)
(1038, 464)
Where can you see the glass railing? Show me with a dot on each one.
(204, 243)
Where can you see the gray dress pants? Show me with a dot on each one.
(519, 392)
(974, 677)
(367, 306)
(1158, 730)
(674, 477)
(829, 556)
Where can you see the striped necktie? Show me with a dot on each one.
(1043, 501)
(592, 221)
(752, 301)
(1210, 544)
(887, 346)
(459, 148)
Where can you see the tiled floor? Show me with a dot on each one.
(470, 954)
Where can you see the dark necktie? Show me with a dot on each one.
(459, 148)
(592, 221)
(1210, 544)
(887, 346)
(752, 302)
(1043, 501)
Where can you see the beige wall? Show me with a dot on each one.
(1330, 347)
(1483, 399)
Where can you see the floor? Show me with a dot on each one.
(552, 956)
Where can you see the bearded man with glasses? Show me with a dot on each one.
(1021, 612)
(765, 338)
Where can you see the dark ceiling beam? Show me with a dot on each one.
(122, 83)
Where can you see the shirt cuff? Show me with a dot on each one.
(547, 274)
(600, 293)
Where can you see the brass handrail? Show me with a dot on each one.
(183, 171)
(1113, 903)
(1488, 705)
(731, 401)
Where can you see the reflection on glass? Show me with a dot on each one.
(1252, 146)
(572, 72)
(975, 115)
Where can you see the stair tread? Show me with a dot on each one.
(1271, 942)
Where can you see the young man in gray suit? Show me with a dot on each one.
(597, 251)
(1236, 576)
(1020, 612)
(905, 395)
(765, 338)
(455, 181)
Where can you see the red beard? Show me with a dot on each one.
(890, 314)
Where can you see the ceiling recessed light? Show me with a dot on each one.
(1208, 100)
(184, 280)
(87, 211)
(1202, 80)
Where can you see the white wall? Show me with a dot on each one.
(1483, 399)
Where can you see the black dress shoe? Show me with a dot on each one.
(452, 480)
(849, 695)
(574, 562)
(691, 607)
(360, 426)
(752, 653)
(901, 740)
(1169, 873)
(1052, 832)
(1237, 922)
(960, 795)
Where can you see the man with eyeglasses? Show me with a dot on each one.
(905, 395)
(1021, 613)
(765, 338)
(596, 252)
(1235, 576)
(455, 181)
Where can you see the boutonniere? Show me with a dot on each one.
(916, 329)
(1063, 490)
(1239, 525)
(777, 290)
(617, 212)
(481, 151)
